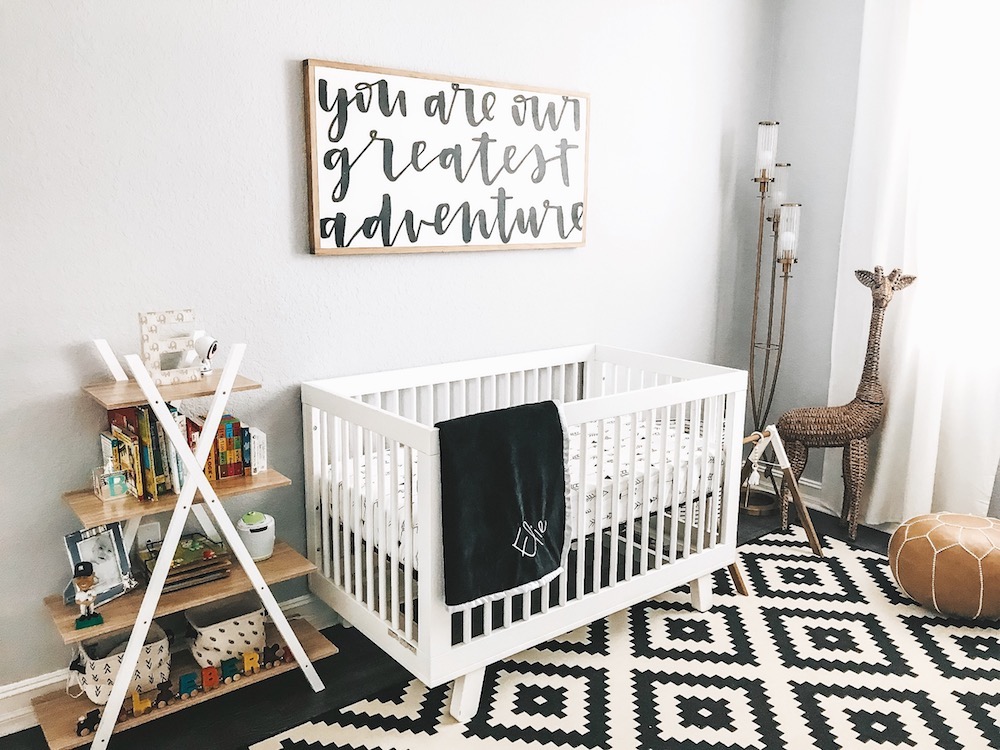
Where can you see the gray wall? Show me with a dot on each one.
(811, 90)
(152, 157)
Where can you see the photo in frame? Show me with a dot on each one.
(104, 547)
(407, 162)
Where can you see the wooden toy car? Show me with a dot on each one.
(88, 722)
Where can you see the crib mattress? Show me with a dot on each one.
(616, 488)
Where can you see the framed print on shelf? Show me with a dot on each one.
(403, 162)
(167, 346)
(104, 547)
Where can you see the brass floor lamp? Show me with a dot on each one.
(767, 333)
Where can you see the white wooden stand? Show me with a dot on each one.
(197, 481)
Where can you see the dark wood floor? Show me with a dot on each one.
(234, 721)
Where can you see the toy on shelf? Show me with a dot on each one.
(88, 722)
(84, 582)
(189, 684)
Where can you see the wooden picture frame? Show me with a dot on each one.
(402, 162)
(104, 547)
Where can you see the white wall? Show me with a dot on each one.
(812, 92)
(152, 157)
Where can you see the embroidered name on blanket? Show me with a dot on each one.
(503, 502)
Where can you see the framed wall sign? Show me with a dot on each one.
(406, 162)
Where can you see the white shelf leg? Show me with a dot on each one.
(143, 620)
(110, 360)
(194, 465)
(172, 537)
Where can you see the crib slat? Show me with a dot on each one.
(370, 502)
(334, 499)
(661, 493)
(356, 504)
(487, 618)
(646, 482)
(581, 518)
(689, 499)
(508, 610)
(346, 502)
(382, 521)
(598, 515)
(716, 447)
(633, 476)
(393, 500)
(467, 625)
(675, 482)
(331, 502)
(410, 404)
(703, 518)
(531, 388)
(324, 508)
(410, 542)
(426, 404)
(615, 530)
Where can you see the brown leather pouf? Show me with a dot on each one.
(949, 562)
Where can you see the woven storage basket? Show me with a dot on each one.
(226, 629)
(100, 659)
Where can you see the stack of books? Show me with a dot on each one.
(136, 445)
(197, 559)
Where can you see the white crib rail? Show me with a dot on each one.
(677, 519)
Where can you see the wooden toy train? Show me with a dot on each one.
(190, 684)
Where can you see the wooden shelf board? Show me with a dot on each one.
(57, 713)
(120, 613)
(116, 394)
(92, 511)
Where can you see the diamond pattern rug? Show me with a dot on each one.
(825, 654)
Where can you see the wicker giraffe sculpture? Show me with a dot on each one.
(847, 426)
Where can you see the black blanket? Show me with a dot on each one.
(503, 501)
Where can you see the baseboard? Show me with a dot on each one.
(17, 715)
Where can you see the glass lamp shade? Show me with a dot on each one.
(788, 237)
(767, 149)
(778, 193)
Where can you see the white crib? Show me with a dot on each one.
(669, 430)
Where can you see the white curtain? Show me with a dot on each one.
(923, 195)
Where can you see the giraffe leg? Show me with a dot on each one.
(798, 454)
(855, 466)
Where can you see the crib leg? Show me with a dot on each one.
(701, 593)
(465, 695)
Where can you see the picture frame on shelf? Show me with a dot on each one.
(104, 547)
(167, 342)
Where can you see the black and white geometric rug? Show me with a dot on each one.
(825, 654)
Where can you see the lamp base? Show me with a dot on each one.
(758, 503)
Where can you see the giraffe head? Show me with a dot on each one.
(882, 286)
